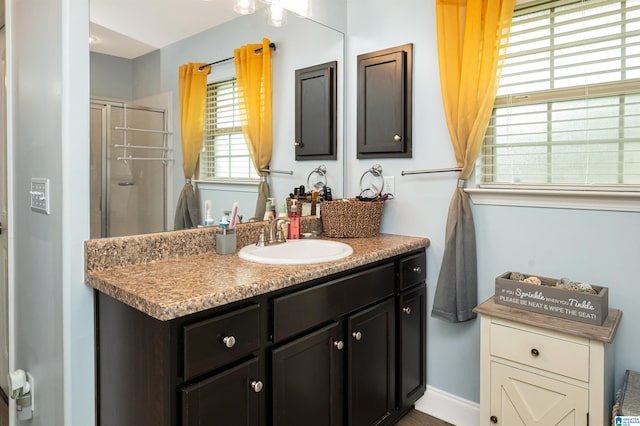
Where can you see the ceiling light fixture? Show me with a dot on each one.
(276, 15)
(244, 7)
(277, 9)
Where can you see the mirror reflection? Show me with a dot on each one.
(135, 124)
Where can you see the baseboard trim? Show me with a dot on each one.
(448, 407)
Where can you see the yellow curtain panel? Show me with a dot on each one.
(253, 74)
(472, 40)
(192, 90)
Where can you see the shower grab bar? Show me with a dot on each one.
(418, 172)
(142, 147)
(134, 129)
(283, 172)
(144, 158)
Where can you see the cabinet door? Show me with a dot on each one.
(384, 103)
(412, 320)
(229, 398)
(316, 95)
(307, 380)
(371, 351)
(520, 397)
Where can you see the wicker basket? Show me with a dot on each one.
(351, 218)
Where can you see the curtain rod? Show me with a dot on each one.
(272, 46)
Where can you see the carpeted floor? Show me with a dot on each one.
(418, 418)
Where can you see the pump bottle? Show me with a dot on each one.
(294, 222)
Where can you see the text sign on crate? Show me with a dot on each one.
(549, 300)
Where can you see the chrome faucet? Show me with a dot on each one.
(275, 233)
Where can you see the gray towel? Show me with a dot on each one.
(457, 289)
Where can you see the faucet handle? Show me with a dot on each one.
(261, 242)
(280, 232)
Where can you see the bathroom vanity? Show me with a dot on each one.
(209, 339)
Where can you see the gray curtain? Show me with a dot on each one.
(188, 208)
(457, 293)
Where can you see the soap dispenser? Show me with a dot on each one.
(268, 212)
(294, 222)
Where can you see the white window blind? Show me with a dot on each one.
(224, 155)
(568, 106)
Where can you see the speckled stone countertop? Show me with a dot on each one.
(173, 274)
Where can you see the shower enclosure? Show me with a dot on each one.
(129, 160)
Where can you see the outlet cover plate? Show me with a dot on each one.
(40, 195)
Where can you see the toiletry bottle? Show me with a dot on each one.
(268, 213)
(273, 207)
(208, 215)
(294, 223)
(283, 213)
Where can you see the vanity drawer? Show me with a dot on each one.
(413, 270)
(314, 306)
(557, 355)
(211, 343)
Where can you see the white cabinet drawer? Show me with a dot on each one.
(556, 355)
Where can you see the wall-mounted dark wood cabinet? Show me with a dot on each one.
(384, 103)
(316, 127)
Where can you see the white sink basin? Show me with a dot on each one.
(297, 252)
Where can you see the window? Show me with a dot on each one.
(568, 107)
(224, 155)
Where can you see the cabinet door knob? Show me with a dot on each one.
(397, 138)
(298, 144)
(535, 352)
(417, 269)
(406, 310)
(229, 341)
(493, 419)
(357, 335)
(256, 385)
(339, 344)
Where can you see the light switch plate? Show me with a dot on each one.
(40, 195)
(389, 185)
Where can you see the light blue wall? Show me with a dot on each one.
(48, 131)
(111, 77)
(146, 75)
(593, 246)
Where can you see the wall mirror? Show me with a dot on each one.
(143, 91)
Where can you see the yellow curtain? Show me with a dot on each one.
(192, 89)
(253, 74)
(472, 39)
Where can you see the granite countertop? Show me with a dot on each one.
(167, 285)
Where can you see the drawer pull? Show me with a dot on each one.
(417, 270)
(535, 352)
(339, 344)
(493, 419)
(406, 310)
(357, 335)
(256, 385)
(229, 341)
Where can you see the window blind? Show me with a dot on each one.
(568, 105)
(224, 154)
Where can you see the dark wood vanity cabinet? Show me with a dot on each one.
(347, 349)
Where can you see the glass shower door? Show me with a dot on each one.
(133, 171)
